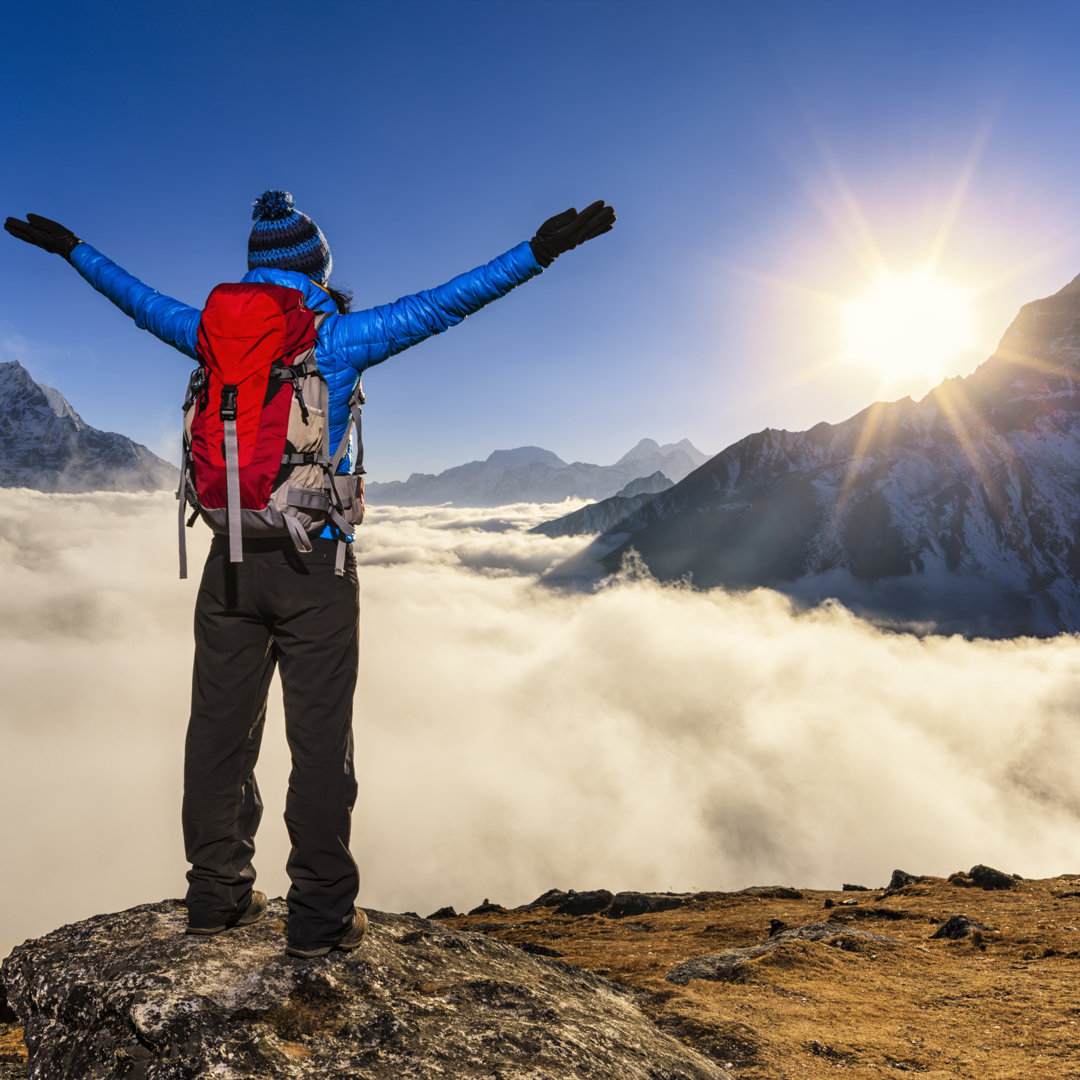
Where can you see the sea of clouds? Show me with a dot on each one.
(511, 738)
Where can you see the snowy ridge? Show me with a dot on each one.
(47, 446)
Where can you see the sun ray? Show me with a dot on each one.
(960, 193)
(953, 401)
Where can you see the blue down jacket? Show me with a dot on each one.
(348, 344)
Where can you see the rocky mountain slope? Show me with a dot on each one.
(47, 446)
(600, 516)
(967, 978)
(531, 474)
(959, 512)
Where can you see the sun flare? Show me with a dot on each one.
(911, 325)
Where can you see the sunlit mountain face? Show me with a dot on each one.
(956, 513)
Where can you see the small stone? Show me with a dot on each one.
(957, 927)
(854, 888)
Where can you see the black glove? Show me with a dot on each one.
(50, 235)
(566, 230)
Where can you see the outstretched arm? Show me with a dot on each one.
(173, 322)
(369, 337)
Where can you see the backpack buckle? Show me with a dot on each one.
(228, 403)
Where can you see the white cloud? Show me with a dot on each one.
(511, 739)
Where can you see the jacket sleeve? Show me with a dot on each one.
(368, 337)
(175, 323)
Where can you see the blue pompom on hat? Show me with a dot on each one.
(284, 239)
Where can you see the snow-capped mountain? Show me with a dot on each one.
(46, 445)
(531, 474)
(959, 512)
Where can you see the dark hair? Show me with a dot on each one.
(341, 297)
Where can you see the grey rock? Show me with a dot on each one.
(443, 913)
(854, 888)
(45, 445)
(986, 877)
(585, 903)
(899, 881)
(958, 926)
(551, 898)
(130, 995)
(635, 903)
(487, 908)
(772, 892)
(723, 966)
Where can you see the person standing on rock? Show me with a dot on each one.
(280, 608)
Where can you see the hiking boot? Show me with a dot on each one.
(349, 940)
(251, 914)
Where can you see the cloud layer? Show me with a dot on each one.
(511, 739)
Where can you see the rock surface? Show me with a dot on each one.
(129, 995)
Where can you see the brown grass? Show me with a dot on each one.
(1003, 1004)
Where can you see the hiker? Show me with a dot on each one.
(268, 602)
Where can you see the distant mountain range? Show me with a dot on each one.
(530, 474)
(47, 446)
(959, 512)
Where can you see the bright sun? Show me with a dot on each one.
(912, 325)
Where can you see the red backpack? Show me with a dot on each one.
(257, 458)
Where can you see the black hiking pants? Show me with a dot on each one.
(277, 608)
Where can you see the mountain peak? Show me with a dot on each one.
(644, 448)
(45, 445)
(525, 455)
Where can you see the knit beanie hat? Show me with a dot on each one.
(284, 239)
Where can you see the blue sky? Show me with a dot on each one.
(754, 152)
